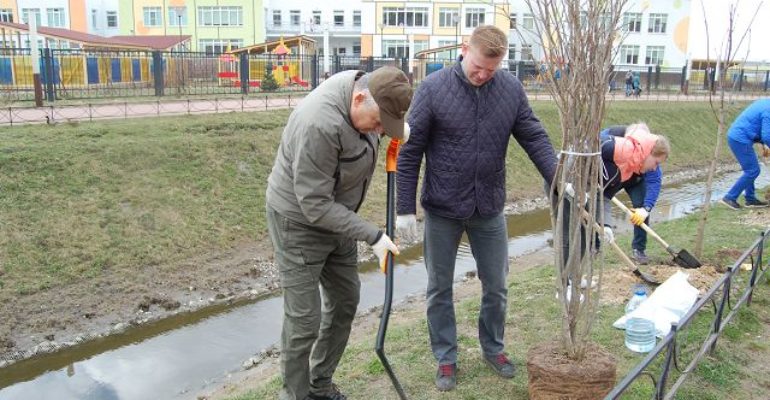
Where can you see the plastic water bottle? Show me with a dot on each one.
(640, 335)
(639, 295)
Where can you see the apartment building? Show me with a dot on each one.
(90, 16)
(214, 25)
(339, 21)
(402, 29)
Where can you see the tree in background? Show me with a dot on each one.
(269, 84)
(725, 56)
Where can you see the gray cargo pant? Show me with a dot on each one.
(313, 337)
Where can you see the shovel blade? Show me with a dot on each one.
(646, 277)
(686, 260)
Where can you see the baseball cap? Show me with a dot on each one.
(392, 92)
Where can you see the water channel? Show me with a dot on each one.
(178, 357)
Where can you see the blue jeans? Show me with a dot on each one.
(636, 191)
(747, 158)
(488, 237)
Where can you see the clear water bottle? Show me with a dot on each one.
(639, 295)
(640, 335)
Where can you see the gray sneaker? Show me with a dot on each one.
(732, 204)
(446, 377)
(756, 203)
(640, 257)
(501, 365)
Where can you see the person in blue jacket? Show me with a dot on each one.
(643, 190)
(462, 119)
(751, 126)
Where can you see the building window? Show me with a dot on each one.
(220, 16)
(629, 54)
(112, 19)
(277, 18)
(632, 22)
(177, 16)
(152, 16)
(94, 18)
(219, 46)
(6, 15)
(657, 23)
(316, 17)
(448, 17)
(395, 48)
(474, 17)
(512, 19)
(55, 17)
(405, 16)
(340, 51)
(528, 22)
(339, 18)
(512, 51)
(654, 55)
(294, 17)
(356, 49)
(420, 45)
(357, 18)
(26, 12)
(526, 52)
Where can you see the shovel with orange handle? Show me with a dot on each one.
(390, 168)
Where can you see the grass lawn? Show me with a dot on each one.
(80, 199)
(736, 370)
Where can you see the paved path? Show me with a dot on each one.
(117, 110)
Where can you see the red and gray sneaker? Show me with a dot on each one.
(446, 377)
(501, 365)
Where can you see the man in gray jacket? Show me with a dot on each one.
(323, 168)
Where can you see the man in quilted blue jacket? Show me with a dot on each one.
(462, 118)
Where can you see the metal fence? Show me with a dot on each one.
(68, 74)
(669, 353)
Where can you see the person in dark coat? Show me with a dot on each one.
(462, 119)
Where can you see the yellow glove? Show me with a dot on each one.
(639, 215)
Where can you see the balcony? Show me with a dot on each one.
(310, 29)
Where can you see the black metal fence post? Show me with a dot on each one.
(157, 72)
(767, 79)
(660, 389)
(337, 67)
(244, 72)
(657, 76)
(649, 78)
(314, 71)
(369, 64)
(683, 81)
(49, 74)
(740, 80)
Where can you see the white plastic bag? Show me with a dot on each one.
(667, 304)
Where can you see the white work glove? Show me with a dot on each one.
(569, 190)
(406, 227)
(381, 249)
(639, 215)
(609, 236)
(407, 131)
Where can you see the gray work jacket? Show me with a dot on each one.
(324, 166)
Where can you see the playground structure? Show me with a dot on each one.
(289, 61)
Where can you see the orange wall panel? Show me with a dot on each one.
(78, 19)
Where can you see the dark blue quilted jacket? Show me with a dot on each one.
(463, 132)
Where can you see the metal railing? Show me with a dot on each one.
(720, 295)
(75, 74)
